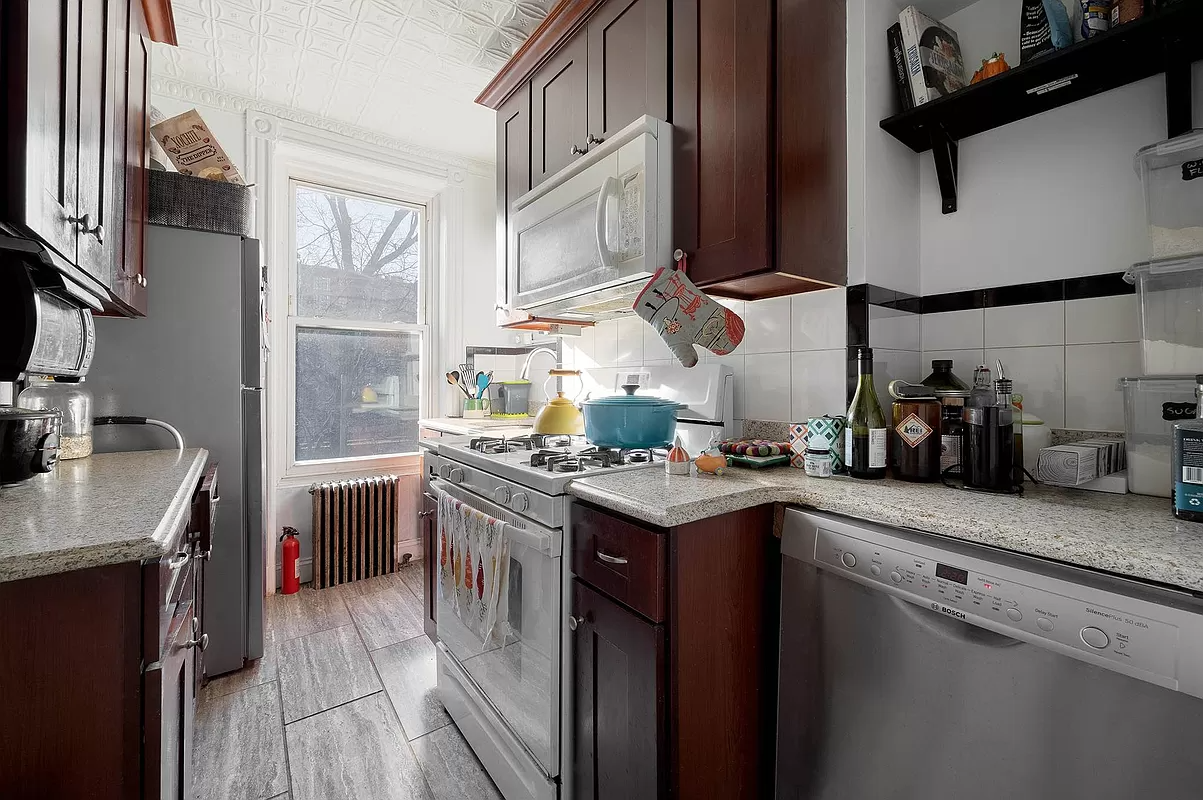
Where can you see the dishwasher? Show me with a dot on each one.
(914, 666)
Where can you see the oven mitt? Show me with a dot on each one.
(684, 316)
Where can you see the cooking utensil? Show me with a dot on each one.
(630, 421)
(29, 442)
(453, 378)
(560, 416)
(482, 383)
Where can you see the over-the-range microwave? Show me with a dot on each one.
(584, 242)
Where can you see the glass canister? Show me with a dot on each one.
(75, 403)
(917, 431)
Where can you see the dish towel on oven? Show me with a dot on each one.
(473, 559)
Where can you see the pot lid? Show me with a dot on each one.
(630, 399)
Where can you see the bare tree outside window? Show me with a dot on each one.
(358, 342)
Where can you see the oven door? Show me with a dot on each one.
(518, 673)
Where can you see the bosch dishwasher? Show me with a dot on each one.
(913, 666)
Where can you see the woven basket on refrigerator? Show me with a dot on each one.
(183, 201)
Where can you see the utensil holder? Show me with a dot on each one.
(476, 408)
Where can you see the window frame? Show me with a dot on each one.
(336, 467)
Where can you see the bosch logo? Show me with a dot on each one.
(935, 606)
(952, 612)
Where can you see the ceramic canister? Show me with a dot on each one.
(830, 430)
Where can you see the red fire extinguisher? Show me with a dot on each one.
(290, 559)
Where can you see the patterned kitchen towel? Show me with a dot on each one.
(685, 316)
(473, 559)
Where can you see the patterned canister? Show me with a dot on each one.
(797, 444)
(829, 430)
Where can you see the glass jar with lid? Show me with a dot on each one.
(75, 403)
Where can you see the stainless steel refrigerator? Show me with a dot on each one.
(196, 361)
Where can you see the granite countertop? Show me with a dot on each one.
(106, 509)
(1128, 535)
(468, 427)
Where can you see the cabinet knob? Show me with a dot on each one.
(575, 622)
(578, 151)
(202, 643)
(84, 223)
(425, 514)
(98, 232)
(592, 140)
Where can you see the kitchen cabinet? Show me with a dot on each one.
(76, 73)
(674, 651)
(428, 527)
(628, 65)
(620, 700)
(560, 111)
(170, 707)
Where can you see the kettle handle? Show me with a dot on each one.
(564, 373)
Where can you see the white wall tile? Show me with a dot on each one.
(1038, 373)
(964, 362)
(897, 330)
(629, 339)
(605, 343)
(953, 330)
(1102, 319)
(819, 320)
(894, 365)
(768, 326)
(582, 349)
(1025, 326)
(1093, 400)
(766, 387)
(819, 381)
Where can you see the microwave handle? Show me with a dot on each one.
(608, 189)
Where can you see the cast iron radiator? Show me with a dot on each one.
(355, 525)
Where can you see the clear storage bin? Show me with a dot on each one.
(1151, 407)
(1170, 294)
(1172, 174)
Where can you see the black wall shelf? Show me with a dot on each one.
(1168, 41)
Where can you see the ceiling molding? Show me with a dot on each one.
(160, 22)
(229, 101)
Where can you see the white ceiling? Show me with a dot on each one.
(405, 68)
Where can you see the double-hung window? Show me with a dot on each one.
(356, 327)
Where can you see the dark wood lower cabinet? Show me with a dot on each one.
(428, 527)
(620, 701)
(169, 707)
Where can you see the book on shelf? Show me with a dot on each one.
(902, 82)
(934, 64)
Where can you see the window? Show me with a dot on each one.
(357, 325)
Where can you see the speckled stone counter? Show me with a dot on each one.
(106, 509)
(457, 426)
(1128, 535)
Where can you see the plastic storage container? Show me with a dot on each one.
(75, 403)
(1172, 174)
(1171, 315)
(1151, 407)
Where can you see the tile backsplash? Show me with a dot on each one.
(1064, 357)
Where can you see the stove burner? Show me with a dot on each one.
(639, 456)
(549, 440)
(565, 464)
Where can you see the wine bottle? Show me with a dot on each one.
(865, 436)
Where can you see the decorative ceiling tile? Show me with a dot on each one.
(400, 67)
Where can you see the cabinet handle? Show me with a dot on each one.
(98, 232)
(85, 225)
(140, 280)
(425, 514)
(592, 140)
(179, 559)
(578, 151)
(202, 643)
(609, 559)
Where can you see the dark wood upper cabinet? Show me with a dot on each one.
(130, 283)
(559, 111)
(513, 173)
(620, 701)
(628, 65)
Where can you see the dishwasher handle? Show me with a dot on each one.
(954, 630)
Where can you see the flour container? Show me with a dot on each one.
(1152, 405)
(1170, 294)
(1172, 175)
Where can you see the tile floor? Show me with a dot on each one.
(342, 705)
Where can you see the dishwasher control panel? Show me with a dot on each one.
(960, 589)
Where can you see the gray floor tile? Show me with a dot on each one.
(308, 611)
(357, 751)
(408, 672)
(413, 579)
(385, 614)
(323, 670)
(255, 673)
(451, 768)
(285, 796)
(239, 746)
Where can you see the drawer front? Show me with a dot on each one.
(167, 584)
(623, 560)
(204, 513)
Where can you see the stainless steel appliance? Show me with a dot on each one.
(915, 666)
(197, 362)
(584, 242)
(507, 697)
(45, 330)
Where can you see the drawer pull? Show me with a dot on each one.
(179, 559)
(609, 559)
(202, 643)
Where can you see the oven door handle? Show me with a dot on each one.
(533, 536)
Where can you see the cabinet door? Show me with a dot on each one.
(722, 113)
(130, 283)
(41, 62)
(429, 528)
(170, 705)
(619, 699)
(102, 51)
(513, 175)
(559, 110)
(628, 65)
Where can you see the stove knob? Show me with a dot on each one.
(502, 495)
(455, 475)
(445, 471)
(520, 502)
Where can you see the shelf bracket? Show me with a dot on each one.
(1178, 107)
(944, 150)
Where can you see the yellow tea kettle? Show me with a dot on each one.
(560, 417)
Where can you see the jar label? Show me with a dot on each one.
(950, 452)
(877, 447)
(913, 430)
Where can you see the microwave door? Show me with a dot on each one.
(607, 222)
